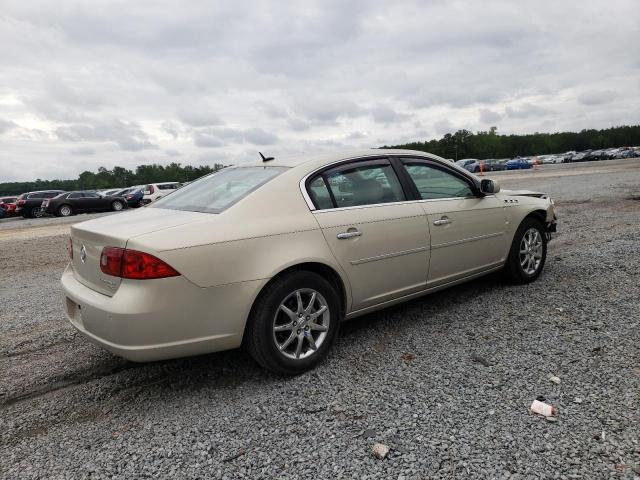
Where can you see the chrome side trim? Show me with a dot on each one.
(388, 255)
(466, 240)
(406, 202)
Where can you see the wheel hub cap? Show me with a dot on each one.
(531, 248)
(301, 323)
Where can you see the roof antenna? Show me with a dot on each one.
(266, 159)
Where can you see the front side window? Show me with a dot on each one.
(214, 193)
(433, 183)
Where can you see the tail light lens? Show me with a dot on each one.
(120, 262)
(21, 202)
(129, 197)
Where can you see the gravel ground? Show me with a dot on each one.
(445, 381)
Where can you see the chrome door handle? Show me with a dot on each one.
(443, 221)
(349, 234)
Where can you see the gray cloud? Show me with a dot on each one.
(127, 135)
(597, 97)
(489, 116)
(215, 80)
(6, 125)
(527, 110)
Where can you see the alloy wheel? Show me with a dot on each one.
(301, 323)
(37, 212)
(65, 210)
(531, 249)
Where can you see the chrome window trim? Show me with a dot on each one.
(417, 155)
(405, 202)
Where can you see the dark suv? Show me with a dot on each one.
(30, 204)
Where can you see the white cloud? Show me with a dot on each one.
(216, 81)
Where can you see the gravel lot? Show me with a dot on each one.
(445, 381)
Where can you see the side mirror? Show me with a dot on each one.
(489, 187)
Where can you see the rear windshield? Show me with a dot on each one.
(216, 192)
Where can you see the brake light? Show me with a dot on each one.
(120, 262)
(70, 248)
(151, 189)
(129, 197)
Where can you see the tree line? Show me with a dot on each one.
(117, 177)
(461, 144)
(490, 144)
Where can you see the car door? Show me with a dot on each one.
(468, 229)
(78, 202)
(95, 201)
(379, 238)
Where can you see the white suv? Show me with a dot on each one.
(154, 191)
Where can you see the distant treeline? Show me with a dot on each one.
(462, 144)
(465, 144)
(118, 177)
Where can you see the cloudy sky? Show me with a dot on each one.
(88, 84)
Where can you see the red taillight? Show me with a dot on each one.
(119, 262)
(129, 197)
(151, 189)
(21, 202)
(70, 248)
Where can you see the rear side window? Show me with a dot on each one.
(364, 184)
(216, 192)
(172, 186)
(37, 195)
(319, 194)
(76, 195)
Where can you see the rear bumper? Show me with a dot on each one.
(160, 319)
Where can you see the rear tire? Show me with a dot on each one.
(117, 205)
(295, 313)
(528, 252)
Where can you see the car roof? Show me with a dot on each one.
(318, 160)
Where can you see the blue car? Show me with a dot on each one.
(132, 195)
(517, 164)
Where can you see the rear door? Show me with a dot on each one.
(379, 238)
(468, 230)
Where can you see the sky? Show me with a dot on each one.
(85, 84)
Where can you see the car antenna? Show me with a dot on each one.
(266, 159)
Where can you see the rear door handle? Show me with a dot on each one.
(443, 221)
(349, 234)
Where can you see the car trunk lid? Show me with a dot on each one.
(89, 238)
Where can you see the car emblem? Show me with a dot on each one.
(83, 254)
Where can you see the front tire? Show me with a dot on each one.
(117, 206)
(528, 252)
(293, 323)
(36, 212)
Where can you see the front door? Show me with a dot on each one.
(468, 231)
(379, 239)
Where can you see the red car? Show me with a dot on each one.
(8, 204)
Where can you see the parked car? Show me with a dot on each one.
(274, 255)
(493, 165)
(470, 164)
(154, 191)
(132, 195)
(70, 203)
(8, 206)
(517, 164)
(109, 192)
(30, 204)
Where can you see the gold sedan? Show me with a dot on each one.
(273, 255)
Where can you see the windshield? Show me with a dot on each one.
(216, 192)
